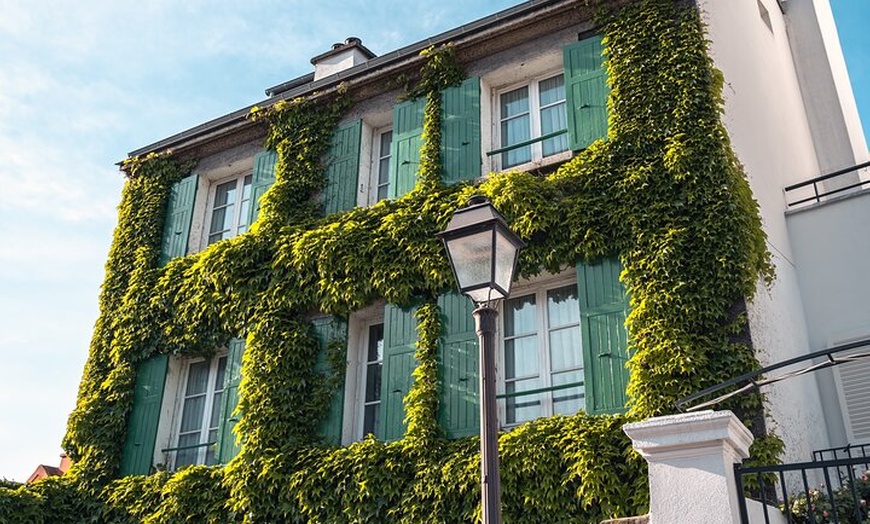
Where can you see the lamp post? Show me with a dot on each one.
(483, 254)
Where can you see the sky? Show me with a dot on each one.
(82, 84)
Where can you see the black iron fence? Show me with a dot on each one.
(819, 188)
(833, 490)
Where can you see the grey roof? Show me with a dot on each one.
(306, 84)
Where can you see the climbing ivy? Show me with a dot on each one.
(664, 192)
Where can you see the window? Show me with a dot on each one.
(200, 413)
(379, 183)
(533, 121)
(374, 364)
(363, 395)
(542, 355)
(230, 203)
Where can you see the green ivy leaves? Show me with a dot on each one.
(665, 191)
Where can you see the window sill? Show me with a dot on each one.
(536, 165)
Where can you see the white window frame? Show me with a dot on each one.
(377, 118)
(240, 212)
(212, 388)
(375, 171)
(539, 286)
(537, 156)
(359, 325)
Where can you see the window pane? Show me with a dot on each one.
(197, 378)
(218, 221)
(383, 165)
(373, 382)
(563, 309)
(565, 349)
(386, 140)
(514, 102)
(554, 119)
(223, 211)
(520, 316)
(191, 417)
(383, 172)
(376, 343)
(225, 194)
(516, 126)
(521, 357)
(244, 206)
(522, 408)
(246, 187)
(552, 91)
(221, 374)
(371, 419)
(514, 131)
(570, 400)
(211, 450)
(216, 407)
(186, 457)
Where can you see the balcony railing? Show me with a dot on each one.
(174, 458)
(814, 191)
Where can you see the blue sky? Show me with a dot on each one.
(83, 84)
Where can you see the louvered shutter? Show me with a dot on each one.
(327, 329)
(138, 450)
(855, 384)
(400, 337)
(262, 179)
(227, 447)
(342, 171)
(405, 151)
(176, 225)
(603, 308)
(460, 132)
(458, 367)
(586, 92)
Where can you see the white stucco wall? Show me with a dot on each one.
(821, 69)
(832, 243)
(766, 120)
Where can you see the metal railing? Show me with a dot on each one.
(526, 392)
(528, 142)
(199, 455)
(818, 492)
(753, 381)
(814, 184)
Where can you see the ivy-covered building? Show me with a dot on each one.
(280, 339)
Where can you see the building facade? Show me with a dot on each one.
(277, 304)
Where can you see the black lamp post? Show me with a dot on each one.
(483, 254)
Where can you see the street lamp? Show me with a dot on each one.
(483, 254)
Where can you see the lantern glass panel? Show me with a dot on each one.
(505, 257)
(472, 259)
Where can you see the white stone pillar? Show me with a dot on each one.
(691, 465)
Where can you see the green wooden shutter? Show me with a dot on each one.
(603, 308)
(176, 225)
(263, 176)
(342, 172)
(458, 362)
(327, 329)
(405, 150)
(400, 336)
(227, 447)
(138, 451)
(460, 132)
(586, 92)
